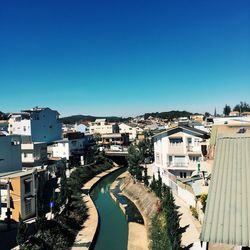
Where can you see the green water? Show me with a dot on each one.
(113, 227)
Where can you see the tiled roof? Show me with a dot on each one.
(227, 217)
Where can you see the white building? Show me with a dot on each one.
(34, 154)
(178, 151)
(71, 147)
(42, 124)
(101, 126)
(10, 153)
(130, 129)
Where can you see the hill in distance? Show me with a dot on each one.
(88, 118)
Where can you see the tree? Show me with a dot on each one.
(64, 190)
(153, 184)
(226, 110)
(134, 159)
(242, 107)
(22, 232)
(145, 177)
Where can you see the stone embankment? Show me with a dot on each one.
(145, 201)
(87, 234)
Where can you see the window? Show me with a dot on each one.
(27, 186)
(185, 175)
(28, 207)
(175, 140)
(24, 128)
(189, 140)
(181, 175)
(24, 155)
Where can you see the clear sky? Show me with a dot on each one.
(124, 57)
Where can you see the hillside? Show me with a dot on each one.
(169, 114)
(88, 118)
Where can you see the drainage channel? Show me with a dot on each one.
(113, 226)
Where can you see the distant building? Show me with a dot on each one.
(115, 139)
(101, 126)
(130, 129)
(10, 153)
(82, 128)
(42, 124)
(70, 148)
(234, 113)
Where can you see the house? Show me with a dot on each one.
(130, 129)
(226, 218)
(178, 151)
(10, 153)
(42, 124)
(234, 113)
(18, 193)
(82, 128)
(245, 113)
(71, 148)
(101, 126)
(115, 139)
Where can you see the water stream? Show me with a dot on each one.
(113, 227)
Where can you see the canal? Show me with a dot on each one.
(113, 227)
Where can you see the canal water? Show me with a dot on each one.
(113, 227)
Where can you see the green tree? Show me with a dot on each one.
(134, 159)
(22, 232)
(145, 176)
(64, 190)
(226, 110)
(153, 184)
(242, 107)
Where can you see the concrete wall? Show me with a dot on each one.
(47, 128)
(10, 153)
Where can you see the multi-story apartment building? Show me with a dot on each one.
(178, 151)
(42, 124)
(101, 126)
(10, 153)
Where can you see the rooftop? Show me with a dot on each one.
(227, 217)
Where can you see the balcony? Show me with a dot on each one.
(176, 149)
(189, 165)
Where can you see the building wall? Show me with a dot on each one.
(16, 198)
(10, 153)
(18, 126)
(47, 128)
(132, 131)
(178, 157)
(59, 149)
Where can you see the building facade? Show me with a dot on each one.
(101, 126)
(178, 151)
(10, 153)
(42, 124)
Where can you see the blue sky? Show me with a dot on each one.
(118, 57)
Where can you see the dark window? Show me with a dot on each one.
(185, 175)
(175, 140)
(181, 174)
(27, 187)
